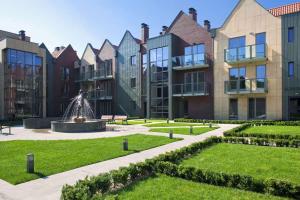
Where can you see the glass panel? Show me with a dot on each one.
(159, 55)
(188, 50)
(152, 55)
(165, 53)
(237, 42)
(291, 69)
(260, 76)
(242, 77)
(260, 38)
(20, 57)
(233, 73)
(260, 108)
(291, 34)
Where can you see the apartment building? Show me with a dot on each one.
(22, 76)
(248, 64)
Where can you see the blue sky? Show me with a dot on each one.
(77, 22)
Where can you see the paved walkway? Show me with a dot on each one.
(49, 188)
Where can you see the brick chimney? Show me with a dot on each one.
(22, 35)
(193, 14)
(207, 25)
(144, 32)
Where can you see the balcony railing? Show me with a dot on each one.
(190, 61)
(103, 74)
(191, 89)
(99, 94)
(251, 53)
(246, 86)
(87, 76)
(95, 75)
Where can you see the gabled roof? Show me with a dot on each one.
(95, 51)
(45, 47)
(135, 39)
(235, 8)
(175, 20)
(285, 9)
(107, 41)
(57, 53)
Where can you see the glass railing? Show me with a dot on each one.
(103, 73)
(246, 86)
(98, 74)
(192, 89)
(193, 60)
(99, 94)
(257, 51)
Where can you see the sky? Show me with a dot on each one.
(78, 22)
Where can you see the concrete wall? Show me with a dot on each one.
(290, 53)
(247, 19)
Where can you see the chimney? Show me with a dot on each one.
(164, 29)
(207, 25)
(145, 33)
(22, 35)
(193, 14)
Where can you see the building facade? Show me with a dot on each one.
(248, 64)
(22, 77)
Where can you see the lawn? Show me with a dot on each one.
(185, 131)
(52, 157)
(138, 121)
(171, 124)
(257, 161)
(287, 130)
(164, 187)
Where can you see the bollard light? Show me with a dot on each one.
(30, 163)
(210, 125)
(125, 144)
(167, 121)
(145, 121)
(171, 134)
(191, 129)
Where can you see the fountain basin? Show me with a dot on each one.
(73, 127)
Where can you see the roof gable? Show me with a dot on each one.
(128, 34)
(86, 48)
(175, 20)
(109, 43)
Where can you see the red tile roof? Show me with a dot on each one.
(286, 9)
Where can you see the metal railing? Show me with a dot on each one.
(193, 60)
(256, 51)
(190, 89)
(99, 94)
(245, 86)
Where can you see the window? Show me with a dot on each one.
(194, 54)
(260, 40)
(291, 69)
(237, 42)
(237, 48)
(144, 62)
(257, 108)
(291, 34)
(237, 77)
(133, 60)
(260, 76)
(133, 82)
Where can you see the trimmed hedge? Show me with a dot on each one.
(96, 187)
(257, 122)
(270, 186)
(237, 132)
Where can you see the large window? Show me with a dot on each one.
(291, 69)
(260, 76)
(233, 109)
(237, 48)
(159, 59)
(194, 54)
(260, 40)
(23, 89)
(291, 34)
(257, 108)
(237, 77)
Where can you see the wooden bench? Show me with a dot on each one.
(107, 118)
(4, 127)
(122, 118)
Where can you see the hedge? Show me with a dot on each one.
(270, 186)
(257, 122)
(96, 187)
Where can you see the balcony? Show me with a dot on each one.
(246, 86)
(87, 76)
(247, 54)
(102, 74)
(99, 94)
(194, 61)
(190, 89)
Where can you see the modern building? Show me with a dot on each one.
(64, 79)
(248, 76)
(290, 36)
(22, 77)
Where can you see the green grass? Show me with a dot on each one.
(185, 131)
(172, 124)
(288, 130)
(138, 121)
(52, 157)
(164, 187)
(257, 161)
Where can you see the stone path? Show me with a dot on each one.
(49, 188)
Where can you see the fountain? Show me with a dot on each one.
(79, 117)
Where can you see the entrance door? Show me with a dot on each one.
(294, 108)
(233, 109)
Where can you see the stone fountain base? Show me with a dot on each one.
(77, 127)
(79, 119)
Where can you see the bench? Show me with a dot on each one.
(122, 118)
(4, 127)
(107, 118)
